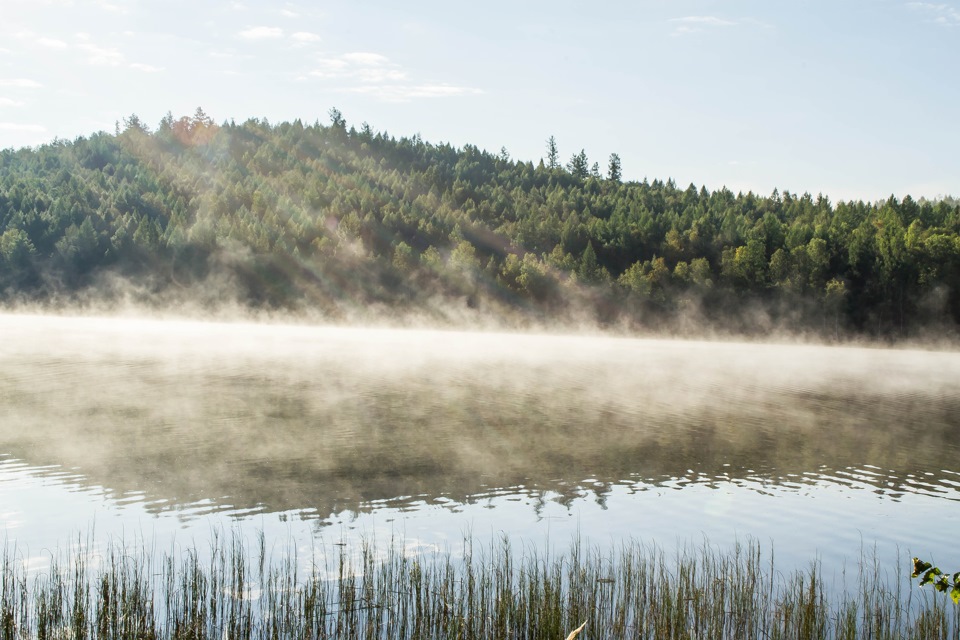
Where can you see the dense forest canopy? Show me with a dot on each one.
(350, 222)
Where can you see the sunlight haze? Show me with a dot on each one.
(495, 320)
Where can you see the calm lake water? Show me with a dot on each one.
(120, 429)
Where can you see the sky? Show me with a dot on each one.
(854, 99)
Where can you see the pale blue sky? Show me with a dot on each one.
(854, 99)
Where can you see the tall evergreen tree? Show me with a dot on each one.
(613, 169)
(337, 121)
(579, 166)
(553, 156)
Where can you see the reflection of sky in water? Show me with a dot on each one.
(817, 517)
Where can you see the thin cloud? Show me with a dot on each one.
(110, 56)
(52, 43)
(711, 21)
(146, 68)
(20, 83)
(375, 75)
(34, 38)
(696, 24)
(363, 67)
(261, 33)
(287, 13)
(102, 56)
(406, 93)
(229, 54)
(944, 15)
(364, 58)
(305, 37)
(16, 126)
(112, 7)
(10, 102)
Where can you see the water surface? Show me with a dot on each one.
(169, 428)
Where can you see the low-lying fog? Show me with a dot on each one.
(326, 420)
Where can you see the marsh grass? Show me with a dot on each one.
(241, 589)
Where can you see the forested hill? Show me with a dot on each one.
(350, 223)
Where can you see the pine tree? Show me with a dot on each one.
(553, 156)
(589, 269)
(579, 166)
(613, 171)
(337, 121)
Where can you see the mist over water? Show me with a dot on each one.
(165, 425)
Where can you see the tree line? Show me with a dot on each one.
(337, 218)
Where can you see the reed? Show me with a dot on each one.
(243, 590)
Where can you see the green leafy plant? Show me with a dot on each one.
(941, 581)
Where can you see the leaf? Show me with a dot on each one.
(955, 594)
(930, 576)
(576, 632)
(919, 566)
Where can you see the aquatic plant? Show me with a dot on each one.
(244, 590)
(942, 582)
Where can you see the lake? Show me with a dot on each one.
(164, 430)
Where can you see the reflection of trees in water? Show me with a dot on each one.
(337, 436)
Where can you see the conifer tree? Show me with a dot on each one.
(613, 170)
(579, 166)
(553, 156)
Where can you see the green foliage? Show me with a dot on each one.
(534, 278)
(326, 215)
(614, 172)
(337, 120)
(403, 260)
(15, 248)
(464, 258)
(929, 574)
(579, 165)
(553, 155)
(590, 269)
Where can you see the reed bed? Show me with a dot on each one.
(239, 589)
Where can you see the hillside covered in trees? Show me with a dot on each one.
(352, 223)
